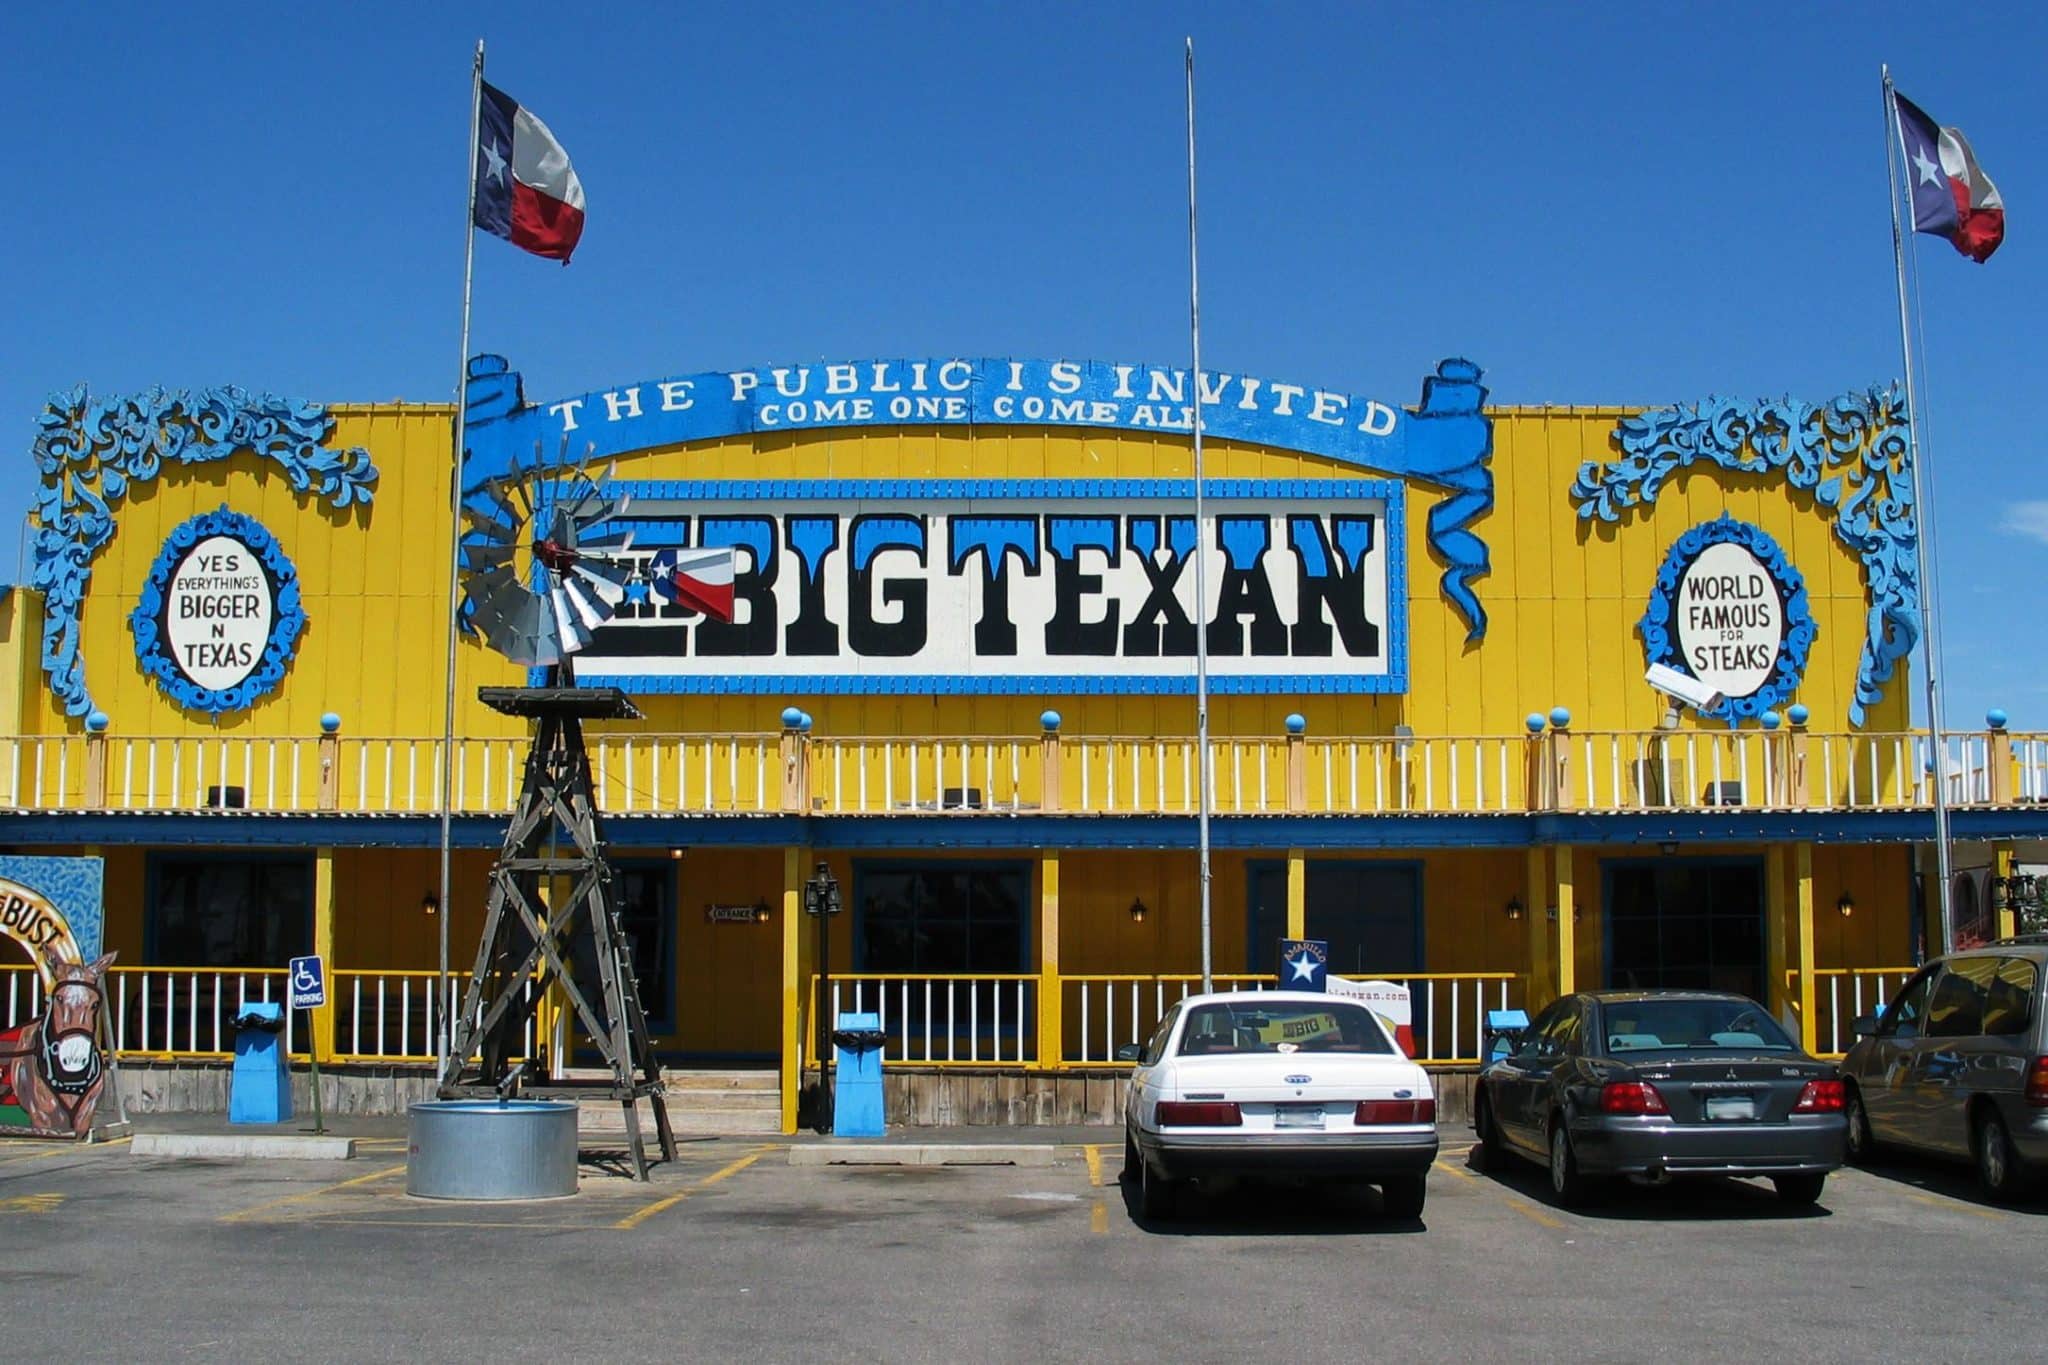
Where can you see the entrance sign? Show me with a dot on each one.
(308, 983)
(1730, 610)
(219, 616)
(52, 1068)
(948, 586)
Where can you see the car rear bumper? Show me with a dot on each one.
(1340, 1156)
(1629, 1146)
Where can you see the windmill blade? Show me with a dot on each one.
(569, 628)
(481, 587)
(479, 559)
(594, 600)
(490, 526)
(601, 566)
(610, 591)
(494, 491)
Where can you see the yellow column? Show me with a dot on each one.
(1050, 1041)
(322, 1041)
(796, 966)
(1535, 896)
(1567, 947)
(1297, 893)
(1802, 958)
(2001, 868)
(1776, 926)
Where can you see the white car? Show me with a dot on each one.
(1288, 1083)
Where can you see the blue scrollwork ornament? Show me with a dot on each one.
(91, 452)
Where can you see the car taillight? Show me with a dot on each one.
(2037, 1083)
(1186, 1114)
(1631, 1097)
(1820, 1097)
(1395, 1111)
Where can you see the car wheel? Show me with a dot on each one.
(1799, 1189)
(1403, 1196)
(1131, 1157)
(1155, 1193)
(2004, 1175)
(1861, 1145)
(1565, 1181)
(1489, 1154)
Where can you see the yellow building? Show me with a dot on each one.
(961, 678)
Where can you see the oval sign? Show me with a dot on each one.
(219, 616)
(1731, 611)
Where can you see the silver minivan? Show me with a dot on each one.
(1957, 1065)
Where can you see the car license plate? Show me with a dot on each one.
(1722, 1107)
(1298, 1116)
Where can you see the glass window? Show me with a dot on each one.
(1957, 1007)
(1907, 1014)
(647, 921)
(1156, 1049)
(1252, 1026)
(944, 919)
(2009, 1003)
(1532, 1037)
(222, 911)
(1649, 1025)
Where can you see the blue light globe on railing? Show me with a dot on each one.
(1797, 713)
(1560, 717)
(329, 723)
(1050, 720)
(1296, 723)
(792, 718)
(1995, 718)
(1534, 721)
(1771, 720)
(97, 723)
(803, 721)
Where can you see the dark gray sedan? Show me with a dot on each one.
(1659, 1084)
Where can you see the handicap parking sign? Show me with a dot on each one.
(308, 983)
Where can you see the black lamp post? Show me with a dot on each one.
(821, 902)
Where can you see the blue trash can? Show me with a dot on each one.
(1501, 1027)
(857, 1093)
(260, 1090)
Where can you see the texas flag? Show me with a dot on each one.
(700, 579)
(526, 190)
(1952, 197)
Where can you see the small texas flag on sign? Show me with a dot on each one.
(526, 190)
(700, 579)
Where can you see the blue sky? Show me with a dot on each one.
(1626, 204)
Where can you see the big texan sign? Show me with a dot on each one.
(1048, 585)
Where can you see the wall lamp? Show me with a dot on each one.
(430, 904)
(1514, 907)
(760, 912)
(1137, 911)
(1845, 905)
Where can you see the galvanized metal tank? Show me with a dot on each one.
(491, 1149)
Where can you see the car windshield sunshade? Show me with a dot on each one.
(1283, 1026)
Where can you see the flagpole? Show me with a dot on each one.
(1205, 762)
(1929, 631)
(446, 906)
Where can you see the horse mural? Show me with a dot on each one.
(51, 1068)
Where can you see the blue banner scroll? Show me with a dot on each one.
(1445, 443)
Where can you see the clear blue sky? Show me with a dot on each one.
(1638, 204)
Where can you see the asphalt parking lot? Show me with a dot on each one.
(732, 1253)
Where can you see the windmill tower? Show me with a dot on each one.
(544, 567)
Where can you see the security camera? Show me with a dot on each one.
(1683, 686)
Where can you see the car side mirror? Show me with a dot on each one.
(1129, 1052)
(1865, 1026)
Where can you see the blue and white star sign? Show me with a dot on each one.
(1304, 964)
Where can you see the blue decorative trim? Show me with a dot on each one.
(1850, 453)
(1445, 442)
(1658, 626)
(997, 685)
(288, 617)
(659, 491)
(90, 452)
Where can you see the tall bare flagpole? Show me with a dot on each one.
(446, 907)
(1204, 774)
(1929, 631)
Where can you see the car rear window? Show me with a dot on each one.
(1283, 1026)
(1650, 1025)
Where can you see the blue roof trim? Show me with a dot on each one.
(998, 685)
(644, 491)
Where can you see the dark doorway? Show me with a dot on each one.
(1370, 913)
(1686, 922)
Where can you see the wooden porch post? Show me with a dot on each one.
(1802, 962)
(1051, 1043)
(795, 964)
(1567, 946)
(1535, 896)
(1297, 893)
(322, 1041)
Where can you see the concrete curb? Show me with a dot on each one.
(924, 1154)
(243, 1147)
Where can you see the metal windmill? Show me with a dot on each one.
(544, 570)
